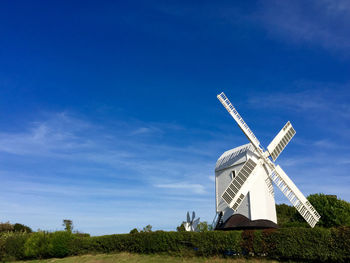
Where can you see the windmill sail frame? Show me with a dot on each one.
(238, 188)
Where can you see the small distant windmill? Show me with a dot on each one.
(244, 176)
(191, 224)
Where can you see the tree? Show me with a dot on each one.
(6, 227)
(333, 211)
(181, 228)
(287, 216)
(147, 228)
(68, 225)
(134, 231)
(203, 227)
(21, 228)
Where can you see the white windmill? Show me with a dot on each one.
(243, 179)
(191, 224)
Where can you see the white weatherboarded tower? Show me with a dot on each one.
(243, 180)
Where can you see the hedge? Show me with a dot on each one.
(297, 244)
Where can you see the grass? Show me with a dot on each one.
(133, 258)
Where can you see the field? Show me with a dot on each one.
(133, 258)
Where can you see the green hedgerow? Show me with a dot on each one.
(37, 245)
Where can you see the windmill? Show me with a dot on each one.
(244, 176)
(191, 224)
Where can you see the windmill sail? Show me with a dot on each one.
(241, 123)
(289, 189)
(281, 140)
(240, 185)
(236, 191)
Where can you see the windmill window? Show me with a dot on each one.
(233, 174)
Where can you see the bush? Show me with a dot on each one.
(12, 245)
(59, 244)
(37, 245)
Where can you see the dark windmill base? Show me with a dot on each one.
(240, 222)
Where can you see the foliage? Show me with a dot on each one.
(12, 245)
(285, 214)
(68, 225)
(59, 244)
(21, 228)
(334, 212)
(147, 229)
(37, 245)
(181, 228)
(134, 231)
(203, 227)
(296, 244)
(6, 227)
(80, 234)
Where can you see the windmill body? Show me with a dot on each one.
(258, 206)
(244, 177)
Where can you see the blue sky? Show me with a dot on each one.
(109, 115)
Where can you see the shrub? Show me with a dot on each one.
(59, 244)
(12, 245)
(37, 245)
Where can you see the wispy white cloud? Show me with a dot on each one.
(328, 144)
(323, 104)
(195, 188)
(77, 166)
(321, 23)
(63, 166)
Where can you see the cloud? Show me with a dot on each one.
(66, 166)
(150, 130)
(295, 101)
(322, 23)
(327, 144)
(196, 188)
(310, 100)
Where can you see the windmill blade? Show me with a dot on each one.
(281, 140)
(241, 123)
(195, 224)
(289, 189)
(193, 215)
(239, 187)
(188, 217)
